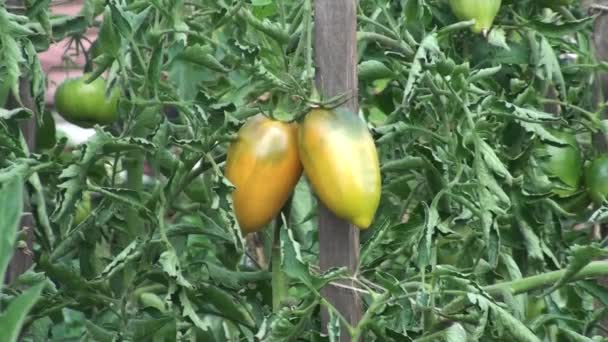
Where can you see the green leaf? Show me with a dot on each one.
(109, 40)
(552, 70)
(100, 334)
(291, 257)
(171, 265)
(11, 209)
(333, 327)
(426, 239)
(497, 37)
(225, 303)
(454, 333)
(427, 51)
(129, 254)
(574, 336)
(481, 74)
(154, 329)
(559, 30)
(493, 162)
(11, 319)
(519, 331)
(203, 56)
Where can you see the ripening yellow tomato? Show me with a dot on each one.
(264, 166)
(341, 162)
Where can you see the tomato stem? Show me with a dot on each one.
(279, 290)
(135, 172)
(539, 281)
(280, 283)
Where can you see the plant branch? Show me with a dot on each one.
(535, 282)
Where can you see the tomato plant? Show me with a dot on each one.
(467, 163)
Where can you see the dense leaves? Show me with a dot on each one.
(478, 218)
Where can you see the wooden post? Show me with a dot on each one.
(600, 44)
(336, 73)
(22, 259)
(600, 94)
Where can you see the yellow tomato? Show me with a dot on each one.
(341, 162)
(264, 166)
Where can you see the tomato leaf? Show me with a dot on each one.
(11, 206)
(13, 316)
(427, 52)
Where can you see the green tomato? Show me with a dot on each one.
(83, 209)
(483, 11)
(596, 176)
(563, 162)
(535, 308)
(85, 104)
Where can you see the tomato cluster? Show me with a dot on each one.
(333, 148)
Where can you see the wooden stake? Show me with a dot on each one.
(335, 47)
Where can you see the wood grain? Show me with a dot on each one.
(22, 258)
(336, 74)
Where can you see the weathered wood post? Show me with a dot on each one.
(600, 44)
(335, 47)
(22, 259)
(600, 89)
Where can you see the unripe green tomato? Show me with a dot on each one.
(83, 208)
(562, 161)
(483, 11)
(86, 104)
(535, 308)
(596, 177)
(149, 299)
(199, 190)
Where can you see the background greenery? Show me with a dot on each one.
(464, 125)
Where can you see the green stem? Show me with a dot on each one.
(369, 316)
(309, 48)
(135, 173)
(280, 283)
(593, 117)
(593, 270)
(386, 41)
